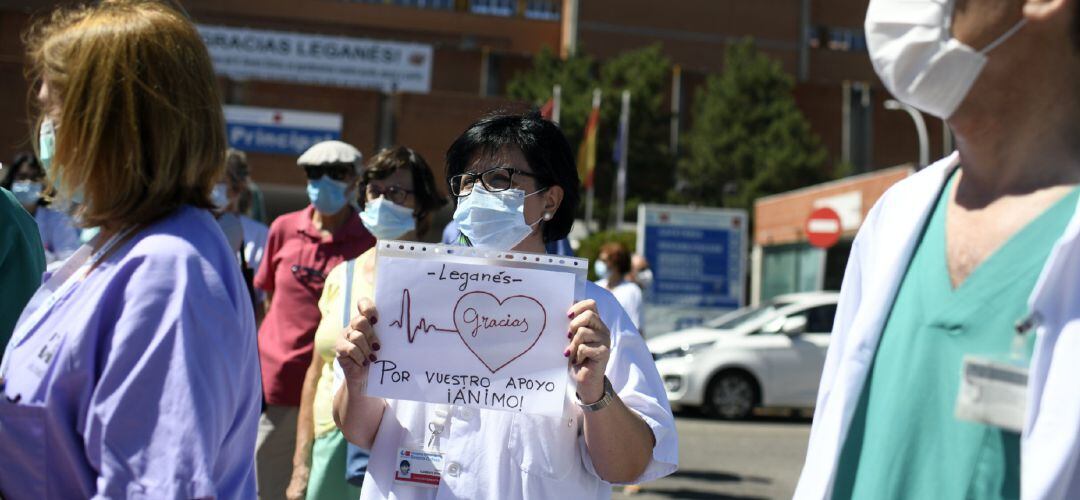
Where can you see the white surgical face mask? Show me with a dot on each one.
(387, 220)
(913, 51)
(219, 196)
(600, 268)
(493, 220)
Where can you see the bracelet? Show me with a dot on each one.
(605, 400)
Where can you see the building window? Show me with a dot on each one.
(421, 4)
(493, 7)
(548, 10)
(545, 10)
(840, 39)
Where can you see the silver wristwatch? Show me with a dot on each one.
(605, 400)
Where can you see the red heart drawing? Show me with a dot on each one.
(499, 331)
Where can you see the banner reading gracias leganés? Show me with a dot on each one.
(326, 60)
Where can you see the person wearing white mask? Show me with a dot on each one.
(59, 235)
(516, 187)
(301, 249)
(612, 267)
(232, 198)
(953, 366)
(398, 198)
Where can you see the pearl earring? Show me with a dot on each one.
(547, 216)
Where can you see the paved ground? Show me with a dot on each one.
(756, 459)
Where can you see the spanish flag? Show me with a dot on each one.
(587, 151)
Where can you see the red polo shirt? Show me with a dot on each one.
(296, 261)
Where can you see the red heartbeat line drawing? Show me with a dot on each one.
(404, 320)
(494, 352)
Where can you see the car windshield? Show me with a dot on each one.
(747, 315)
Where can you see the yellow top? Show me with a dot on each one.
(331, 305)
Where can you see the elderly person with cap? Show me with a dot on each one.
(301, 248)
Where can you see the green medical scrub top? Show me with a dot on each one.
(22, 262)
(904, 440)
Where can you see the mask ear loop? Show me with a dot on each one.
(1001, 39)
(543, 218)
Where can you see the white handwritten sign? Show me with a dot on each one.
(463, 327)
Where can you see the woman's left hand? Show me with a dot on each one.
(590, 346)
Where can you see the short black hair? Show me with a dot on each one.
(427, 196)
(544, 147)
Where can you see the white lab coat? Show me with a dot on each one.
(1050, 442)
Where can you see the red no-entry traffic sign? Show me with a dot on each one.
(823, 227)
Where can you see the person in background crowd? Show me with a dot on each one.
(133, 372)
(398, 196)
(26, 180)
(612, 266)
(239, 201)
(22, 262)
(232, 198)
(640, 272)
(301, 248)
(516, 187)
(954, 361)
(452, 236)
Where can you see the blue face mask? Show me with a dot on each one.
(327, 195)
(46, 143)
(219, 196)
(46, 153)
(387, 220)
(27, 192)
(600, 268)
(494, 221)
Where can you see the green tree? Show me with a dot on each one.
(748, 139)
(574, 74)
(645, 73)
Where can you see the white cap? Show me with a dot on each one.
(331, 152)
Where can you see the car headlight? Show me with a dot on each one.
(683, 351)
(673, 383)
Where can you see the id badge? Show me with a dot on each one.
(418, 467)
(992, 392)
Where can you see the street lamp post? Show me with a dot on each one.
(920, 129)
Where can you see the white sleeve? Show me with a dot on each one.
(634, 378)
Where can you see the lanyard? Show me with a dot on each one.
(59, 285)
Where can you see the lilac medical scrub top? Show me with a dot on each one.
(141, 381)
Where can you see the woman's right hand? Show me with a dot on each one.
(358, 345)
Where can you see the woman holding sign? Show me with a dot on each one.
(516, 187)
(399, 196)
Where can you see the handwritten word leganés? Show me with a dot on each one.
(464, 278)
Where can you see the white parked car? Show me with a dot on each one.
(770, 355)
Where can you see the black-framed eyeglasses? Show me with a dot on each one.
(393, 193)
(306, 274)
(494, 180)
(316, 172)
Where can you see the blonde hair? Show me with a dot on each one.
(140, 127)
